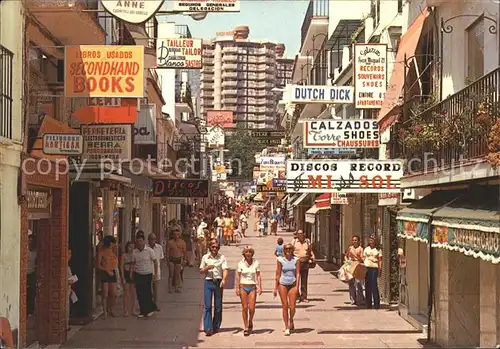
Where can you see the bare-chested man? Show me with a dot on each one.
(176, 256)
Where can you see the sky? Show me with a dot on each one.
(274, 20)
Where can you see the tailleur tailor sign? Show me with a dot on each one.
(344, 176)
(178, 53)
(62, 144)
(321, 94)
(104, 71)
(370, 75)
(206, 6)
(109, 141)
(341, 133)
(180, 188)
(137, 11)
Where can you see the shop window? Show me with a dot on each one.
(375, 12)
(475, 49)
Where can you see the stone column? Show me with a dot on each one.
(440, 329)
(108, 205)
(127, 216)
(489, 304)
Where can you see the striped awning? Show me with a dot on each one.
(322, 202)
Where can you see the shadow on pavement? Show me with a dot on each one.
(303, 330)
(369, 331)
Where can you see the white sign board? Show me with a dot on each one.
(107, 141)
(137, 11)
(145, 126)
(355, 133)
(302, 94)
(62, 144)
(206, 5)
(344, 176)
(370, 75)
(215, 136)
(339, 199)
(272, 162)
(178, 53)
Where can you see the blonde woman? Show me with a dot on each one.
(287, 284)
(248, 286)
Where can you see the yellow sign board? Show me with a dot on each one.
(104, 71)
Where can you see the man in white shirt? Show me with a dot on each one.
(159, 256)
(243, 223)
(219, 224)
(201, 243)
(214, 266)
(146, 270)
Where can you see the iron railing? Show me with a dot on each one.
(316, 8)
(183, 31)
(6, 58)
(477, 108)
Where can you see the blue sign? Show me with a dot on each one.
(322, 94)
(332, 151)
(279, 183)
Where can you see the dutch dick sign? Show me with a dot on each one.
(302, 94)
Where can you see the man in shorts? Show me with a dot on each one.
(176, 256)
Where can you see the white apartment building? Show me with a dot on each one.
(240, 74)
(11, 144)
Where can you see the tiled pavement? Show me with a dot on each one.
(327, 321)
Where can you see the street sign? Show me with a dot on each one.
(268, 134)
(105, 101)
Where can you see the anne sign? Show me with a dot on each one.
(355, 133)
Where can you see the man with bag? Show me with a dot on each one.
(303, 251)
(354, 255)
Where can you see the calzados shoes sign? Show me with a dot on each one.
(180, 188)
(341, 134)
(104, 71)
(344, 176)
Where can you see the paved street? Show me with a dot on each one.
(327, 321)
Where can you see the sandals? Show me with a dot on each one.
(287, 332)
(246, 333)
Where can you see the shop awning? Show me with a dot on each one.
(407, 47)
(284, 199)
(299, 199)
(322, 202)
(311, 214)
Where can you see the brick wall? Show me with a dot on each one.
(51, 301)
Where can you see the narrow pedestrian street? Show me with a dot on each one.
(327, 321)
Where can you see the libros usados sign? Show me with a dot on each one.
(346, 176)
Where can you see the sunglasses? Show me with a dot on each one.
(214, 247)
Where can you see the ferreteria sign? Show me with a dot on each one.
(136, 11)
(346, 176)
(178, 53)
(107, 141)
(370, 75)
(301, 94)
(341, 134)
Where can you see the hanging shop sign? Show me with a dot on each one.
(302, 94)
(355, 133)
(332, 151)
(104, 71)
(268, 134)
(107, 141)
(215, 137)
(180, 188)
(62, 144)
(339, 199)
(145, 126)
(176, 53)
(264, 188)
(370, 75)
(206, 6)
(272, 162)
(38, 201)
(137, 11)
(346, 176)
(279, 183)
(222, 118)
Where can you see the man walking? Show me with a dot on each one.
(176, 256)
(158, 250)
(146, 270)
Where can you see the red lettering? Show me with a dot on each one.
(129, 82)
(115, 84)
(104, 85)
(389, 185)
(78, 84)
(314, 182)
(363, 182)
(377, 182)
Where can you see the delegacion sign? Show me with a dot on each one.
(206, 6)
(370, 75)
(137, 11)
(355, 133)
(178, 53)
(104, 71)
(106, 141)
(62, 144)
(301, 94)
(346, 176)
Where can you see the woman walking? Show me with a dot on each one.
(127, 272)
(108, 263)
(373, 263)
(249, 284)
(287, 284)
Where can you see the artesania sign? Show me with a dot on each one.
(344, 176)
(104, 71)
(206, 6)
(321, 94)
(178, 53)
(355, 133)
(136, 11)
(62, 144)
(370, 75)
(110, 141)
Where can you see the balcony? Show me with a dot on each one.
(183, 31)
(315, 22)
(68, 21)
(6, 58)
(452, 134)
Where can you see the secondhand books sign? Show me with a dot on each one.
(177, 53)
(353, 133)
(180, 188)
(104, 71)
(370, 75)
(344, 176)
(302, 94)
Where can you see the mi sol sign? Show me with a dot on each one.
(344, 176)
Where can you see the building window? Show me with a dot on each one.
(6, 58)
(475, 49)
(375, 12)
(400, 6)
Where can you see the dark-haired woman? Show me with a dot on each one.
(127, 271)
(373, 263)
(108, 263)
